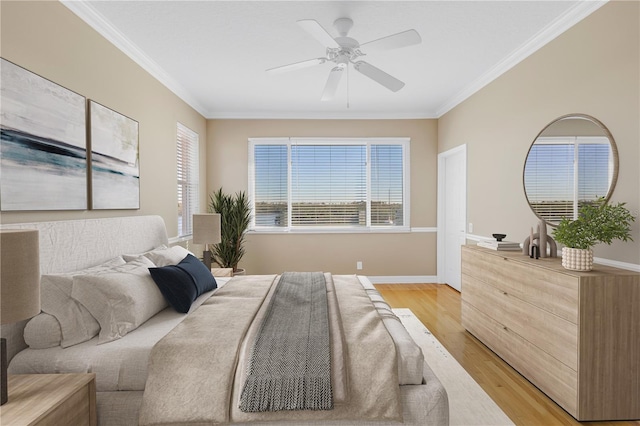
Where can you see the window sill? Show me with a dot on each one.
(395, 230)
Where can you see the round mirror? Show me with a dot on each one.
(572, 161)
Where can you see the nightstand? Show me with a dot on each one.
(50, 399)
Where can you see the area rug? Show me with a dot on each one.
(468, 403)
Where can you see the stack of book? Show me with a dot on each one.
(499, 245)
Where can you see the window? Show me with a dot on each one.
(322, 184)
(563, 173)
(188, 178)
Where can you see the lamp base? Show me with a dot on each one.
(4, 396)
(206, 259)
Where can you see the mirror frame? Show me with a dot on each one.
(614, 151)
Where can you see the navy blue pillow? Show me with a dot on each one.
(181, 284)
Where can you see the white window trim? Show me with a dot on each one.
(290, 141)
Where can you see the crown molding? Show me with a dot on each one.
(95, 20)
(295, 115)
(544, 36)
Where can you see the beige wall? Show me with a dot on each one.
(593, 68)
(382, 254)
(48, 39)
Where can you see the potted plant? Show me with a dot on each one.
(235, 216)
(597, 222)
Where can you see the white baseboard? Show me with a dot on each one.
(616, 264)
(407, 279)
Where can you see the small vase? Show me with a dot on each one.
(577, 259)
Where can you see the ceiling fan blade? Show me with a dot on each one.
(395, 41)
(332, 84)
(379, 76)
(318, 32)
(297, 65)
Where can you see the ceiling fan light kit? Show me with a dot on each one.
(344, 50)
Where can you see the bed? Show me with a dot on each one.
(131, 362)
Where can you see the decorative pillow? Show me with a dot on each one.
(42, 332)
(181, 284)
(163, 256)
(121, 299)
(76, 323)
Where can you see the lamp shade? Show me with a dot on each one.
(19, 275)
(206, 228)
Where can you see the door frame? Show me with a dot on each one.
(459, 150)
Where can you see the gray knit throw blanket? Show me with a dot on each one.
(290, 362)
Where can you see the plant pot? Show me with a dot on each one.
(577, 259)
(239, 271)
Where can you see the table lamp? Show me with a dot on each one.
(19, 285)
(206, 230)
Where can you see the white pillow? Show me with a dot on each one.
(76, 323)
(163, 255)
(42, 332)
(121, 299)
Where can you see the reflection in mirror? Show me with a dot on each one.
(572, 161)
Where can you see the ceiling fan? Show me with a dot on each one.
(344, 50)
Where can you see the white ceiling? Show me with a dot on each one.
(213, 54)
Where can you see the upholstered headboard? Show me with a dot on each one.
(71, 245)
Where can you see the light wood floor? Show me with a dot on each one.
(438, 307)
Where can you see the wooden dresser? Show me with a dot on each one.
(575, 335)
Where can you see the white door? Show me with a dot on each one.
(452, 213)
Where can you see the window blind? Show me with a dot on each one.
(270, 198)
(328, 185)
(549, 177)
(188, 178)
(387, 185)
(593, 171)
(318, 183)
(562, 174)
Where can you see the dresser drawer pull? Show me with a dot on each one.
(504, 327)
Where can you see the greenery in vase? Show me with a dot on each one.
(235, 217)
(597, 222)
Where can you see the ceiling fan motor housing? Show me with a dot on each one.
(343, 25)
(347, 52)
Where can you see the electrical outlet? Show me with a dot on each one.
(470, 228)
(359, 265)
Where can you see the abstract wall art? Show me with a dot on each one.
(43, 147)
(115, 172)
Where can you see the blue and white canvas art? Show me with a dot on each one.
(115, 172)
(43, 144)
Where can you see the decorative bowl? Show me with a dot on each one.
(499, 237)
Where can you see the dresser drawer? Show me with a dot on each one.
(554, 335)
(547, 373)
(554, 292)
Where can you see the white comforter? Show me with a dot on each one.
(120, 365)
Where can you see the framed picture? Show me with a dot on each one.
(115, 171)
(43, 143)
